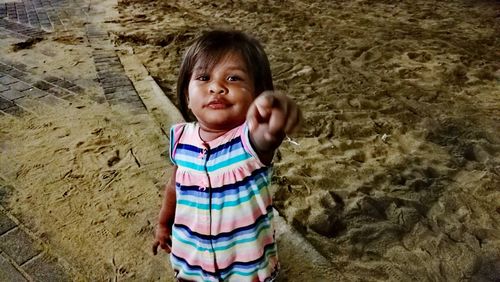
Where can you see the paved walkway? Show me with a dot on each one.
(23, 256)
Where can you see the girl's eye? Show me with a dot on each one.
(233, 78)
(202, 77)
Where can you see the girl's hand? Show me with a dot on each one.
(270, 117)
(163, 238)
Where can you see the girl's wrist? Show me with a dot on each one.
(166, 222)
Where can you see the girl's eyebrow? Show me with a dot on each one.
(199, 68)
(229, 68)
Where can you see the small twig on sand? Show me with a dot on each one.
(288, 139)
(135, 158)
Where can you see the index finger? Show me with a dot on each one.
(260, 110)
(264, 105)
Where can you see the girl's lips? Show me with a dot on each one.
(218, 104)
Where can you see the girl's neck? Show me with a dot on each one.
(208, 134)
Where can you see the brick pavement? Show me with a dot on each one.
(22, 92)
(23, 256)
(41, 14)
(118, 89)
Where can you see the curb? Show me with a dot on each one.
(157, 103)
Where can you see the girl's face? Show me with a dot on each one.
(220, 98)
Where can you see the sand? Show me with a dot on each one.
(394, 177)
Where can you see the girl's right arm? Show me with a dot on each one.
(166, 217)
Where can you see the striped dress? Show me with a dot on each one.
(223, 218)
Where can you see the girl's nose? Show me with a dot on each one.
(217, 88)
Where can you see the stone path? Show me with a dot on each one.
(21, 91)
(23, 256)
(116, 85)
(41, 14)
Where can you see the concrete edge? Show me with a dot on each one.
(157, 103)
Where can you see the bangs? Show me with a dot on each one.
(207, 58)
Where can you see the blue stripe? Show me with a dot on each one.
(201, 201)
(217, 157)
(194, 151)
(187, 148)
(225, 204)
(232, 146)
(238, 191)
(216, 150)
(190, 165)
(212, 164)
(232, 143)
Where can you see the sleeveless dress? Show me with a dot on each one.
(223, 228)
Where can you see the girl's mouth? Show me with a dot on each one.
(218, 104)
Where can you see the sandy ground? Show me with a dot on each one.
(395, 176)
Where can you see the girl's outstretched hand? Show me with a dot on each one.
(271, 116)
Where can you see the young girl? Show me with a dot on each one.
(216, 218)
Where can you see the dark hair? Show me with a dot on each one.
(210, 48)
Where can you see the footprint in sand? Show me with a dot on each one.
(419, 56)
(114, 159)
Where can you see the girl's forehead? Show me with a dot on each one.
(209, 61)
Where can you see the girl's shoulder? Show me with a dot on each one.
(180, 128)
(178, 131)
(183, 125)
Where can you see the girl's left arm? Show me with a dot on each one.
(166, 216)
(270, 118)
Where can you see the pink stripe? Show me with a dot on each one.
(243, 252)
(191, 136)
(193, 257)
(189, 218)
